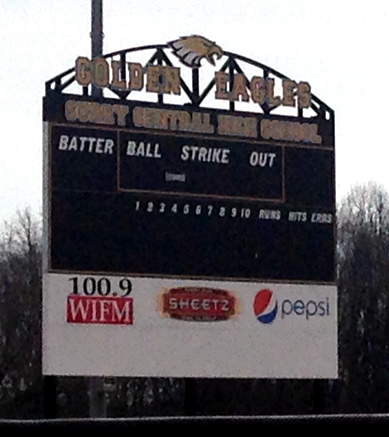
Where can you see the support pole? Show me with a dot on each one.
(50, 397)
(190, 397)
(97, 37)
(97, 398)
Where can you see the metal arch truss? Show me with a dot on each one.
(196, 96)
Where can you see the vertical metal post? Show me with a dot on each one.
(190, 397)
(97, 37)
(318, 396)
(231, 67)
(97, 398)
(50, 397)
(196, 84)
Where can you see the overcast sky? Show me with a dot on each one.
(339, 46)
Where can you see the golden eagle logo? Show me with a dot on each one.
(192, 49)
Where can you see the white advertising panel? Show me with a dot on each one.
(125, 326)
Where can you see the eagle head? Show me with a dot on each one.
(192, 49)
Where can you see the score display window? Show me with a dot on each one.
(201, 167)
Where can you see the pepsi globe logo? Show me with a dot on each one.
(265, 306)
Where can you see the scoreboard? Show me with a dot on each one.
(163, 197)
(182, 239)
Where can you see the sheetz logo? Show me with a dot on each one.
(198, 304)
(266, 307)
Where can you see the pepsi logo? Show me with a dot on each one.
(265, 306)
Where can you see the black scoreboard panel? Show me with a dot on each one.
(105, 233)
(146, 203)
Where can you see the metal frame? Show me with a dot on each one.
(196, 96)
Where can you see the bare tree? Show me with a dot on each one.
(363, 263)
(20, 328)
